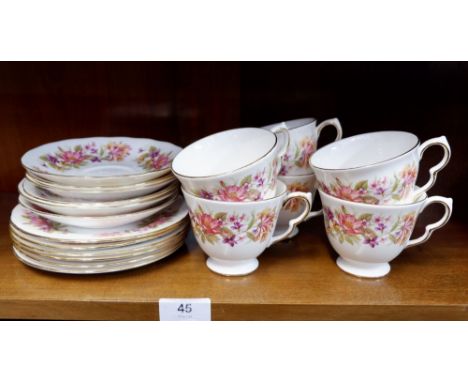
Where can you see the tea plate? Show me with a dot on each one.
(72, 247)
(109, 193)
(99, 161)
(130, 264)
(94, 264)
(100, 255)
(80, 207)
(97, 221)
(35, 225)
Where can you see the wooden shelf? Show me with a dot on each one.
(296, 280)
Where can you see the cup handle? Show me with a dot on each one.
(440, 141)
(282, 130)
(307, 198)
(333, 122)
(447, 203)
(313, 214)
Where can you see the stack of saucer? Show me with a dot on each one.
(97, 205)
(295, 171)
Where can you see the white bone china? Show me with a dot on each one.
(234, 234)
(101, 161)
(104, 194)
(39, 227)
(293, 208)
(79, 207)
(376, 168)
(304, 135)
(98, 222)
(235, 165)
(367, 237)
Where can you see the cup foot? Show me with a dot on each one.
(356, 268)
(232, 268)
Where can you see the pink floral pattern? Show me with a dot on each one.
(300, 155)
(368, 229)
(232, 229)
(250, 188)
(153, 158)
(148, 223)
(377, 191)
(293, 205)
(81, 155)
(43, 224)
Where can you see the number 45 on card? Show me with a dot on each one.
(185, 309)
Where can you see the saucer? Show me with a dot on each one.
(101, 161)
(98, 222)
(102, 193)
(79, 207)
(30, 223)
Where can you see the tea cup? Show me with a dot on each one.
(376, 168)
(234, 234)
(238, 165)
(293, 208)
(367, 237)
(304, 134)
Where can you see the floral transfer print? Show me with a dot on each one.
(292, 205)
(300, 157)
(368, 229)
(43, 224)
(234, 228)
(82, 155)
(153, 158)
(148, 223)
(378, 191)
(250, 188)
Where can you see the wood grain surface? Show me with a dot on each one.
(296, 280)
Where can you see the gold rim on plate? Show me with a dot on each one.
(43, 183)
(165, 192)
(108, 243)
(100, 259)
(52, 215)
(30, 262)
(98, 255)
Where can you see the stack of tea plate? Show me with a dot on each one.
(97, 205)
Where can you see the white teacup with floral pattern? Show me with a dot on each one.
(376, 168)
(233, 234)
(304, 134)
(293, 208)
(368, 236)
(237, 165)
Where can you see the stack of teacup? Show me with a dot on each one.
(230, 184)
(370, 201)
(295, 171)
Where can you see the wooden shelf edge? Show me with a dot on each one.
(94, 310)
